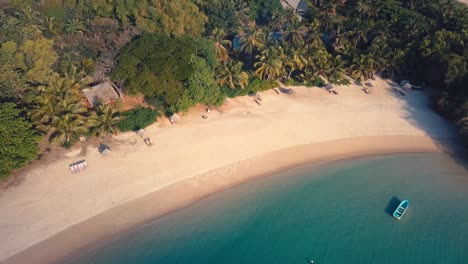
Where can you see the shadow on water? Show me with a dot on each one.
(392, 205)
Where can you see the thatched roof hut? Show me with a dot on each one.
(103, 93)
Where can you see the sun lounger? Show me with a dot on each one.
(78, 166)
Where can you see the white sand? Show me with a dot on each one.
(51, 199)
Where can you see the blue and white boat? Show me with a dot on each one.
(401, 209)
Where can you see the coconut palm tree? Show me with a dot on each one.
(48, 25)
(313, 41)
(252, 40)
(293, 33)
(337, 70)
(57, 99)
(268, 64)
(356, 37)
(277, 20)
(362, 67)
(293, 60)
(319, 64)
(74, 26)
(44, 112)
(67, 129)
(104, 120)
(230, 73)
(267, 37)
(242, 12)
(218, 37)
(368, 8)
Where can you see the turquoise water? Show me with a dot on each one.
(338, 212)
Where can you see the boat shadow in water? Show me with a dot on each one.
(392, 205)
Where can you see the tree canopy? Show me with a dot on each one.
(163, 66)
(19, 142)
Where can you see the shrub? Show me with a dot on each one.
(317, 82)
(255, 85)
(136, 119)
(18, 144)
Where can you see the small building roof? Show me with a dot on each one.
(102, 93)
(299, 5)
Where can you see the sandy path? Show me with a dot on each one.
(51, 199)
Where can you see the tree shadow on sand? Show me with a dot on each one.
(442, 132)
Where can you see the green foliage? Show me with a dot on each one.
(137, 119)
(255, 85)
(201, 87)
(10, 65)
(263, 10)
(166, 71)
(39, 58)
(18, 141)
(104, 120)
(221, 14)
(28, 65)
(159, 72)
(175, 18)
(317, 82)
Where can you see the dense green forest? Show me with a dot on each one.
(181, 53)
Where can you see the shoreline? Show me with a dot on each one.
(98, 229)
(309, 126)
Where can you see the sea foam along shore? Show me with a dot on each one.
(229, 145)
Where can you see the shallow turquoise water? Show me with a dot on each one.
(337, 212)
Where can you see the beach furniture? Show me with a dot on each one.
(78, 166)
(401, 209)
(367, 90)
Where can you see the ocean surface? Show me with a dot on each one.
(336, 212)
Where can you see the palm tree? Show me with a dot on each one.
(44, 112)
(320, 64)
(252, 40)
(74, 26)
(337, 69)
(313, 41)
(230, 73)
(293, 33)
(104, 120)
(277, 20)
(57, 99)
(242, 12)
(267, 38)
(48, 25)
(67, 129)
(293, 60)
(268, 64)
(218, 37)
(368, 8)
(362, 67)
(356, 37)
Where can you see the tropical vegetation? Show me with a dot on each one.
(181, 53)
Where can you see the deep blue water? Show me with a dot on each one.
(338, 212)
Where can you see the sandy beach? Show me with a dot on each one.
(53, 213)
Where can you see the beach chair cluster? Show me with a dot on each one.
(148, 142)
(330, 89)
(78, 166)
(257, 98)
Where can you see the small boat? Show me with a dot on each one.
(401, 209)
